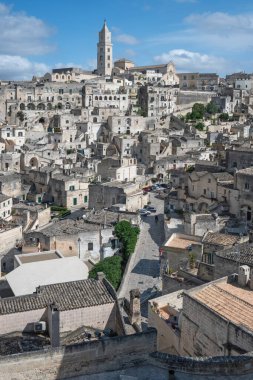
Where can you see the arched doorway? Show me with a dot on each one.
(41, 107)
(31, 107)
(248, 213)
(34, 163)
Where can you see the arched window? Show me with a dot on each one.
(95, 120)
(96, 97)
(105, 98)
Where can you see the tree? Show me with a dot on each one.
(211, 108)
(200, 126)
(198, 111)
(21, 115)
(224, 116)
(112, 268)
(127, 234)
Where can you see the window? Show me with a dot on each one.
(74, 201)
(85, 199)
(61, 91)
(67, 121)
(72, 188)
(204, 191)
(209, 180)
(108, 50)
(246, 186)
(70, 248)
(108, 57)
(90, 246)
(20, 134)
(56, 76)
(8, 134)
(108, 65)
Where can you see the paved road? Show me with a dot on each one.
(143, 272)
(144, 269)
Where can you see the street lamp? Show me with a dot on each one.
(79, 241)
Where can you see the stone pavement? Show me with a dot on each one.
(144, 269)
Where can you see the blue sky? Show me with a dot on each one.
(198, 35)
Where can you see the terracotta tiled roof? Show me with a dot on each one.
(233, 303)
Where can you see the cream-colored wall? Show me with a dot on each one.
(96, 317)
(19, 321)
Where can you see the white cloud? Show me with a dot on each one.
(220, 21)
(14, 67)
(186, 60)
(223, 33)
(126, 39)
(22, 34)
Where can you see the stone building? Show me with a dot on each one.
(69, 74)
(198, 81)
(244, 185)
(204, 184)
(239, 158)
(128, 196)
(75, 238)
(157, 100)
(204, 321)
(5, 207)
(180, 251)
(63, 307)
(120, 169)
(68, 191)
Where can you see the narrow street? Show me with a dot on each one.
(143, 272)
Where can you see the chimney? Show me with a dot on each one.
(53, 315)
(243, 276)
(100, 276)
(135, 307)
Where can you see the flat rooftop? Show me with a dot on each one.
(230, 301)
(180, 242)
(39, 256)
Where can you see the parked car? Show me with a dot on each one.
(147, 188)
(151, 209)
(144, 212)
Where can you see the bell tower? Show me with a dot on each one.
(104, 51)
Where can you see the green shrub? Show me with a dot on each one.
(127, 235)
(199, 126)
(112, 268)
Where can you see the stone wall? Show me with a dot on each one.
(206, 272)
(22, 321)
(99, 317)
(8, 238)
(83, 359)
(224, 267)
(217, 368)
